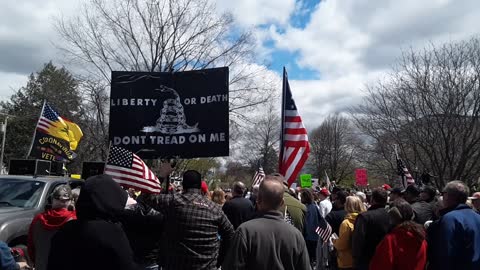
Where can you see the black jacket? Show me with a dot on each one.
(424, 212)
(143, 226)
(238, 210)
(370, 228)
(253, 200)
(95, 240)
(267, 243)
(335, 218)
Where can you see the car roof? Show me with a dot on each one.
(39, 178)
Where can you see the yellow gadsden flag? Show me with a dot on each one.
(53, 124)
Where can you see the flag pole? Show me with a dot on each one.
(35, 130)
(167, 181)
(108, 154)
(4, 128)
(396, 151)
(282, 130)
(403, 178)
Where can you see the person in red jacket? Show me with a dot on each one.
(45, 225)
(405, 246)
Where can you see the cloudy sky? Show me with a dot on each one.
(331, 48)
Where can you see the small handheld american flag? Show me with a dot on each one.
(258, 177)
(129, 170)
(324, 230)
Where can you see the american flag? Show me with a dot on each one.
(129, 170)
(294, 148)
(407, 178)
(48, 118)
(324, 230)
(258, 177)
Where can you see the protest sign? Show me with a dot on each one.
(361, 177)
(306, 180)
(167, 114)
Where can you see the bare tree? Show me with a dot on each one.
(95, 118)
(163, 35)
(260, 141)
(334, 146)
(430, 107)
(203, 165)
(236, 171)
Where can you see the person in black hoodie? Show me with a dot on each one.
(143, 226)
(238, 209)
(335, 219)
(95, 240)
(424, 211)
(370, 228)
(338, 213)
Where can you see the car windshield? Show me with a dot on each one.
(20, 193)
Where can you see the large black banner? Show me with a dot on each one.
(158, 114)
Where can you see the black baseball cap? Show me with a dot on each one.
(431, 191)
(412, 189)
(397, 190)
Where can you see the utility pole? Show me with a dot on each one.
(4, 131)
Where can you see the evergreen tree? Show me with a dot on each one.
(58, 87)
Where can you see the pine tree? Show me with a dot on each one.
(58, 87)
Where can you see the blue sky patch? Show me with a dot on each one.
(303, 13)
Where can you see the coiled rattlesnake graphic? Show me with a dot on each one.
(172, 118)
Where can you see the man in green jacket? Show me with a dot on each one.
(296, 211)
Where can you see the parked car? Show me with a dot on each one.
(21, 198)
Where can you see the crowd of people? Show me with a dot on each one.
(269, 226)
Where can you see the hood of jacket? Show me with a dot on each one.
(101, 198)
(53, 219)
(351, 217)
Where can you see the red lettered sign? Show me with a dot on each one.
(361, 177)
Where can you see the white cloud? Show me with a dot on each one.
(316, 99)
(27, 36)
(257, 12)
(357, 36)
(9, 82)
(351, 43)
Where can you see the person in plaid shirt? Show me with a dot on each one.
(196, 231)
